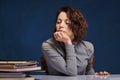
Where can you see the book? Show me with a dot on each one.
(25, 78)
(22, 69)
(22, 63)
(15, 66)
(15, 75)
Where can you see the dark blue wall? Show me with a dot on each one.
(25, 24)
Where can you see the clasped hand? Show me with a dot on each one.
(62, 37)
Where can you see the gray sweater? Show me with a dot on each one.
(75, 59)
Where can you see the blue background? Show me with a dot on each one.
(25, 24)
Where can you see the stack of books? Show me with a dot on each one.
(18, 70)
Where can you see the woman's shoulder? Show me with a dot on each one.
(87, 43)
(50, 40)
(89, 46)
(49, 43)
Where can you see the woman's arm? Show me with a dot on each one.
(90, 67)
(90, 51)
(56, 63)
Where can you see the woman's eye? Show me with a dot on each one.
(58, 22)
(68, 23)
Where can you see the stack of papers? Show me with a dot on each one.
(17, 69)
(18, 66)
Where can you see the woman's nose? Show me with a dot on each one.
(62, 25)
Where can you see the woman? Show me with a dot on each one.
(67, 53)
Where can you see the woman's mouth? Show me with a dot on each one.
(59, 30)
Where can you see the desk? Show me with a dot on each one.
(79, 77)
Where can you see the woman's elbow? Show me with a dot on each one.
(74, 73)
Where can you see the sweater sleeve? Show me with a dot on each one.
(90, 66)
(56, 63)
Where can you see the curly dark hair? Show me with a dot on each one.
(78, 23)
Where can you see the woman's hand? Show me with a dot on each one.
(62, 37)
(102, 73)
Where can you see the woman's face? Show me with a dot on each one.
(62, 24)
